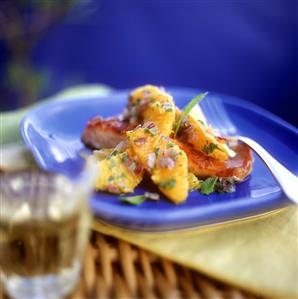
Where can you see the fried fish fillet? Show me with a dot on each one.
(203, 166)
(105, 133)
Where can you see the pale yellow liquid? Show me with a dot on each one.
(38, 247)
(42, 258)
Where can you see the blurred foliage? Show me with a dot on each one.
(22, 24)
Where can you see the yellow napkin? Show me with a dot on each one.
(258, 254)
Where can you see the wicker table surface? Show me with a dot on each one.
(116, 269)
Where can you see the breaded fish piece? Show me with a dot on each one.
(203, 166)
(105, 133)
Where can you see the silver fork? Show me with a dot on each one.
(219, 119)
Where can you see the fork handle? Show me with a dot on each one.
(286, 179)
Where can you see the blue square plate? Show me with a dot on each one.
(52, 132)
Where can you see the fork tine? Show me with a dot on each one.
(209, 112)
(213, 114)
(218, 116)
(218, 113)
(227, 123)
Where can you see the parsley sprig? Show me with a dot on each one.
(138, 199)
(208, 186)
(218, 185)
(133, 200)
(187, 110)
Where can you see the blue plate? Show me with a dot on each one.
(52, 132)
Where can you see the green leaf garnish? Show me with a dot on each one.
(210, 147)
(114, 152)
(187, 109)
(156, 151)
(169, 184)
(194, 182)
(112, 163)
(208, 185)
(133, 200)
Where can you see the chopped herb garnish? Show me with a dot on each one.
(123, 157)
(111, 178)
(154, 130)
(194, 182)
(208, 186)
(201, 122)
(210, 147)
(112, 163)
(168, 107)
(151, 132)
(156, 151)
(138, 199)
(169, 145)
(187, 109)
(132, 167)
(113, 153)
(121, 176)
(225, 185)
(147, 131)
(133, 200)
(168, 184)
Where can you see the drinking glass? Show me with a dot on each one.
(44, 224)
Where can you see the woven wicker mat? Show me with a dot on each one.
(115, 269)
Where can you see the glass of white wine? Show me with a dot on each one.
(44, 224)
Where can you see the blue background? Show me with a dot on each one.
(242, 48)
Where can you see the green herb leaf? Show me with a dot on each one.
(210, 147)
(208, 185)
(112, 163)
(114, 152)
(123, 156)
(152, 132)
(169, 145)
(187, 109)
(194, 182)
(156, 151)
(133, 200)
(168, 184)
